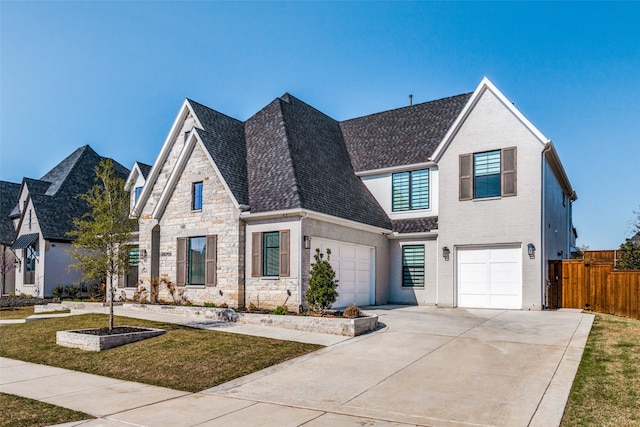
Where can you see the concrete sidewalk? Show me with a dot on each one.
(427, 366)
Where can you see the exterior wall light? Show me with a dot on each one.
(531, 250)
(307, 242)
(445, 253)
(143, 254)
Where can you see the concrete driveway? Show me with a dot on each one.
(425, 366)
(432, 366)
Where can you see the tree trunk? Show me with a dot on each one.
(111, 303)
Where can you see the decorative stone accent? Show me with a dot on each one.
(220, 314)
(88, 342)
(323, 325)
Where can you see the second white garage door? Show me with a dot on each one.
(490, 278)
(354, 270)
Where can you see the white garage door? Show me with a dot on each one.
(490, 278)
(354, 270)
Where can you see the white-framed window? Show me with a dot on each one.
(410, 190)
(413, 266)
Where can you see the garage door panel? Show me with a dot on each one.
(353, 266)
(490, 278)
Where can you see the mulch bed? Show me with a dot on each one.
(116, 330)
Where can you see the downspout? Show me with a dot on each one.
(437, 270)
(543, 241)
(300, 252)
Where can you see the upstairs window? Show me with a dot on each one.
(196, 196)
(488, 174)
(410, 190)
(413, 265)
(137, 193)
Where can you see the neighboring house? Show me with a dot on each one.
(455, 202)
(43, 215)
(8, 197)
(636, 239)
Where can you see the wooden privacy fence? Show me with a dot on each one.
(594, 285)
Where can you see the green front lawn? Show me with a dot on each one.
(606, 390)
(183, 359)
(22, 412)
(7, 313)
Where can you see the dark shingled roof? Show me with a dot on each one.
(8, 198)
(296, 158)
(223, 136)
(402, 136)
(144, 169)
(58, 204)
(291, 156)
(415, 225)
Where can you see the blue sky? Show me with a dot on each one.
(114, 74)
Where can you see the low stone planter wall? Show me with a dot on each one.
(324, 325)
(214, 313)
(68, 305)
(89, 342)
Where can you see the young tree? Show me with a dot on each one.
(322, 292)
(6, 266)
(101, 235)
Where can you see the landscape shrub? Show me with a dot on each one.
(279, 310)
(321, 293)
(352, 312)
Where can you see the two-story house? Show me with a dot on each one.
(455, 202)
(43, 214)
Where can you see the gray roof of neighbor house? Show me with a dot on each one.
(144, 169)
(291, 156)
(8, 199)
(54, 196)
(636, 239)
(402, 136)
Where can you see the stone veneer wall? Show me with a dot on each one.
(270, 292)
(219, 216)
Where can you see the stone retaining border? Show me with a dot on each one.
(323, 325)
(88, 342)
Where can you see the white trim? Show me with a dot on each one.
(181, 163)
(248, 216)
(169, 141)
(484, 85)
(551, 156)
(401, 168)
(422, 235)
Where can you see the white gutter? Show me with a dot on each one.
(248, 216)
(426, 234)
(396, 169)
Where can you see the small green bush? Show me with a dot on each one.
(279, 310)
(322, 292)
(210, 304)
(352, 312)
(71, 291)
(58, 291)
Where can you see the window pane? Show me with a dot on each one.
(486, 172)
(413, 265)
(486, 163)
(138, 192)
(271, 253)
(420, 189)
(196, 252)
(134, 256)
(197, 196)
(400, 183)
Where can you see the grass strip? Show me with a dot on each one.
(7, 313)
(22, 412)
(606, 390)
(184, 358)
